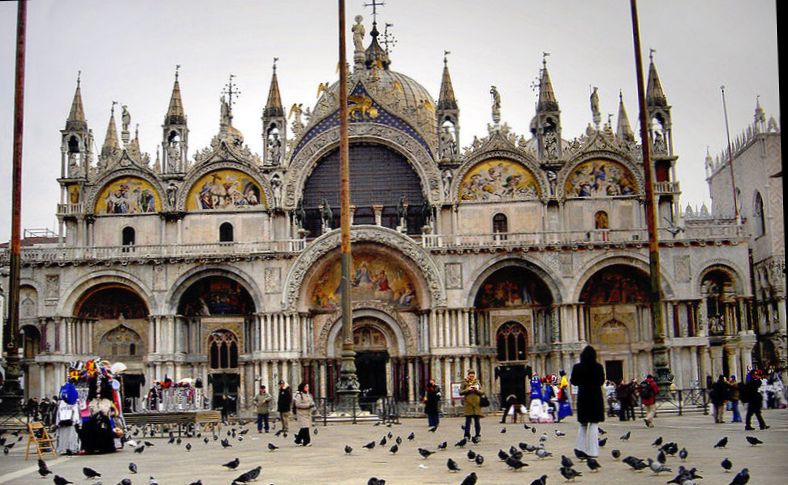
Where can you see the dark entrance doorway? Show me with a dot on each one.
(371, 369)
(131, 391)
(614, 370)
(225, 383)
(512, 382)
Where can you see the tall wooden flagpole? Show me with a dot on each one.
(659, 352)
(347, 386)
(11, 393)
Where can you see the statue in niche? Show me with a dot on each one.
(551, 179)
(402, 210)
(551, 144)
(296, 111)
(300, 214)
(172, 195)
(73, 165)
(448, 147)
(358, 33)
(659, 143)
(274, 148)
(276, 188)
(173, 153)
(426, 212)
(447, 176)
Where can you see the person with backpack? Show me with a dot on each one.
(648, 391)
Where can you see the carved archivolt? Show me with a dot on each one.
(96, 189)
(308, 157)
(568, 169)
(726, 266)
(194, 176)
(400, 329)
(380, 235)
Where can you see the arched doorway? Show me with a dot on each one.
(616, 306)
(215, 315)
(515, 304)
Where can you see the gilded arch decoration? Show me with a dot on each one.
(599, 174)
(525, 179)
(141, 194)
(313, 151)
(294, 291)
(224, 185)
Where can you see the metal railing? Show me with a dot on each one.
(681, 401)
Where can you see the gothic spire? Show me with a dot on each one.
(547, 101)
(655, 96)
(111, 138)
(76, 117)
(624, 129)
(446, 99)
(274, 107)
(175, 114)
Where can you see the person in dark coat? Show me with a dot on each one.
(284, 406)
(432, 399)
(588, 375)
(719, 396)
(754, 404)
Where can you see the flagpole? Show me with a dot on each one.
(347, 385)
(730, 158)
(659, 351)
(11, 393)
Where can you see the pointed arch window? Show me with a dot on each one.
(759, 216)
(223, 350)
(226, 232)
(511, 341)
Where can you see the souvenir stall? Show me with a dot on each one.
(99, 401)
(168, 396)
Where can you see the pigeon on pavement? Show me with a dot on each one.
(43, 469)
(232, 465)
(470, 479)
(58, 480)
(133, 467)
(722, 442)
(742, 477)
(570, 473)
(425, 453)
(753, 440)
(452, 465)
(726, 464)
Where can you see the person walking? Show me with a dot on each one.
(432, 399)
(263, 403)
(67, 419)
(719, 396)
(284, 405)
(648, 391)
(303, 404)
(754, 403)
(564, 403)
(226, 402)
(588, 376)
(471, 391)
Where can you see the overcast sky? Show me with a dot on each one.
(127, 51)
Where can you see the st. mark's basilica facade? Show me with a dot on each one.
(512, 253)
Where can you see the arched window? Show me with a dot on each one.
(226, 232)
(128, 238)
(759, 216)
(511, 342)
(500, 226)
(73, 145)
(223, 350)
(601, 224)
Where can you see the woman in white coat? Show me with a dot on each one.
(303, 404)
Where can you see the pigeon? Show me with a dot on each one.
(58, 480)
(148, 443)
(479, 460)
(559, 433)
(389, 435)
(615, 453)
(593, 465)
(126, 481)
(370, 445)
(670, 448)
(461, 443)
(626, 436)
(188, 447)
(452, 465)
(411, 436)
(232, 465)
(661, 457)
(502, 455)
(394, 449)
(753, 440)
(178, 441)
(272, 447)
(249, 476)
(503, 430)
(722, 443)
(636, 463)
(726, 464)
(470, 479)
(471, 454)
(602, 432)
(43, 469)
(398, 440)
(570, 473)
(542, 453)
(683, 454)
(602, 442)
(383, 441)
(657, 467)
(742, 477)
(90, 473)
(226, 443)
(139, 449)
(278, 433)
(375, 480)
(515, 453)
(566, 461)
(348, 449)
(152, 481)
(514, 463)
(657, 442)
(540, 481)
(425, 453)
(133, 467)
(580, 454)
(443, 445)
(543, 438)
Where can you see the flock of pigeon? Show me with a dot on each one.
(513, 458)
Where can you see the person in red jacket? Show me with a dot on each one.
(648, 391)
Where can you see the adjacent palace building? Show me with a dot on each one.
(507, 256)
